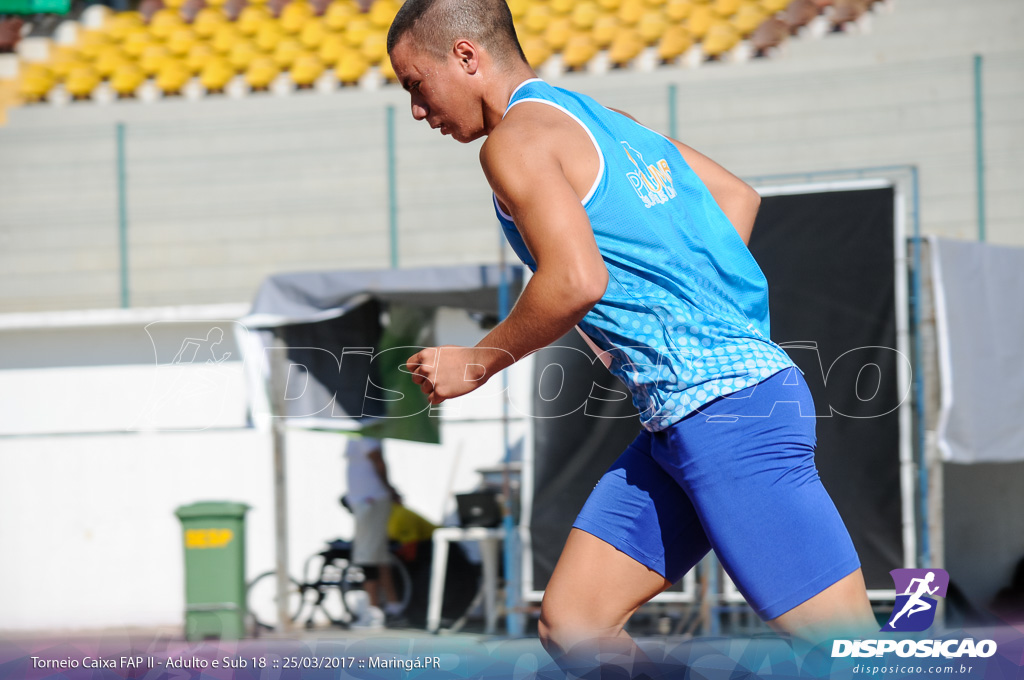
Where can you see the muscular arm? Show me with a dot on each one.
(737, 199)
(525, 165)
(525, 171)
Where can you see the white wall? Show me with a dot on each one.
(91, 516)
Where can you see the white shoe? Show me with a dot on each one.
(371, 619)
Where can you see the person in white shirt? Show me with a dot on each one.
(370, 495)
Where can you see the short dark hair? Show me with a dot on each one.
(435, 25)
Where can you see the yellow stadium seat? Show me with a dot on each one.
(216, 3)
(675, 41)
(306, 69)
(537, 18)
(118, 25)
(153, 58)
(207, 21)
(242, 54)
(748, 17)
(252, 18)
(518, 8)
(358, 28)
(127, 78)
(558, 32)
(216, 74)
(536, 50)
(609, 5)
(181, 41)
(580, 49)
(339, 13)
(165, 22)
(562, 6)
(721, 37)
(651, 26)
(677, 10)
(108, 59)
(625, 47)
(726, 8)
(261, 72)
(375, 47)
(605, 29)
(313, 33)
(136, 42)
(331, 49)
(773, 6)
(91, 42)
(286, 52)
(351, 67)
(268, 36)
(34, 81)
(63, 59)
(295, 15)
(584, 15)
(82, 80)
(382, 13)
(198, 55)
(225, 38)
(172, 77)
(700, 20)
(630, 11)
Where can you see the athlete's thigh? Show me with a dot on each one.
(636, 535)
(595, 588)
(754, 485)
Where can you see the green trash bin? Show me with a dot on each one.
(214, 538)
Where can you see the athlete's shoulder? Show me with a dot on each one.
(529, 126)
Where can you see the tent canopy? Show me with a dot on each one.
(306, 297)
(338, 372)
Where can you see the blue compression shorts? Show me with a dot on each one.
(737, 476)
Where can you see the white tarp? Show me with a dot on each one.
(979, 305)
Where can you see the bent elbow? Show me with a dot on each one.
(592, 288)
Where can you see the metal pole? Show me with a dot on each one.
(979, 144)
(122, 215)
(278, 368)
(392, 186)
(514, 624)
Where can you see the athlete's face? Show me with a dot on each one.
(442, 90)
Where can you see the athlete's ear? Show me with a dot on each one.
(467, 55)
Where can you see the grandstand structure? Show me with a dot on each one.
(193, 48)
(123, 204)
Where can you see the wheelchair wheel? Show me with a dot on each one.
(353, 578)
(261, 602)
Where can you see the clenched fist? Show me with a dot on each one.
(451, 371)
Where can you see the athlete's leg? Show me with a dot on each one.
(636, 535)
(593, 591)
(747, 464)
(841, 610)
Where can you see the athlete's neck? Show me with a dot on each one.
(505, 84)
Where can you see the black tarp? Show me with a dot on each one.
(339, 328)
(829, 261)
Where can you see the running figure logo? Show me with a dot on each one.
(914, 610)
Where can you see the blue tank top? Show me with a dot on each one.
(685, 315)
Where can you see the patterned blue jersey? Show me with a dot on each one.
(685, 315)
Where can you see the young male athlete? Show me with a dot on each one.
(639, 241)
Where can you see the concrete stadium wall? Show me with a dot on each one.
(220, 193)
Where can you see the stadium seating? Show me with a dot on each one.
(173, 42)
